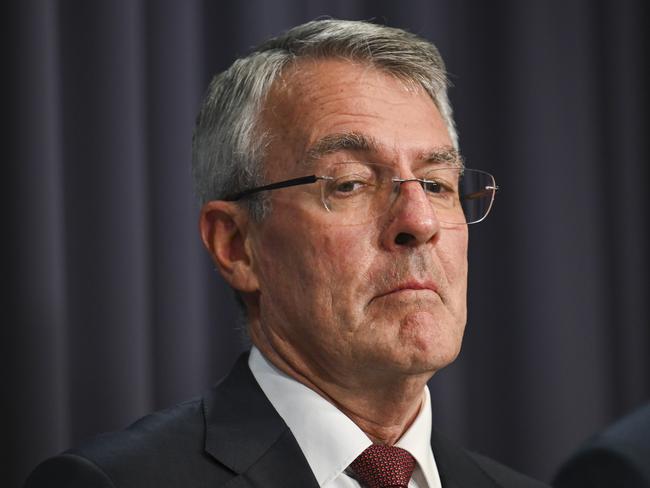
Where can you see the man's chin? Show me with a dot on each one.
(432, 342)
(416, 341)
(413, 360)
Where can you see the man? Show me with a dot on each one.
(327, 167)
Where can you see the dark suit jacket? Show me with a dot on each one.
(233, 438)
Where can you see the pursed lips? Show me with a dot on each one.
(411, 285)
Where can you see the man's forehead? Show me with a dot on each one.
(294, 108)
(299, 83)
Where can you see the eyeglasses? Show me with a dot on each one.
(359, 192)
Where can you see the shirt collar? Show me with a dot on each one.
(417, 441)
(329, 440)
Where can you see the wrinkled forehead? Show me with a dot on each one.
(311, 96)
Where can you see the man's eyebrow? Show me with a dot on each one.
(444, 155)
(345, 141)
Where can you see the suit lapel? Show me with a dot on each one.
(245, 433)
(457, 469)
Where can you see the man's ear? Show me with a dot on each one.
(224, 231)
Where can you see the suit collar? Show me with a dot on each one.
(244, 432)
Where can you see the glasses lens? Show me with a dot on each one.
(357, 192)
(360, 192)
(477, 189)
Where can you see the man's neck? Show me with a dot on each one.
(384, 409)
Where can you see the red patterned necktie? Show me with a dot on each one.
(382, 466)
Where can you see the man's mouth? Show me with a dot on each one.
(411, 286)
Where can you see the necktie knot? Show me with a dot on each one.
(382, 466)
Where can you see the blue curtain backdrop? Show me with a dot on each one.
(113, 309)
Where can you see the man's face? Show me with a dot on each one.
(353, 302)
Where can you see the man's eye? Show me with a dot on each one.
(349, 186)
(439, 187)
(432, 186)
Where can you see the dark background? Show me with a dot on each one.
(112, 308)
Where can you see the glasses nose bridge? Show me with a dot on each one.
(398, 182)
(397, 190)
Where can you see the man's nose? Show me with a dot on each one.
(413, 219)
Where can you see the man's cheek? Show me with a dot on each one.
(453, 258)
(336, 250)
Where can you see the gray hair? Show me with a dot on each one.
(229, 144)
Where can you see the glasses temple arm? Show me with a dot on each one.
(273, 186)
(487, 191)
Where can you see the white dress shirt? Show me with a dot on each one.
(329, 440)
